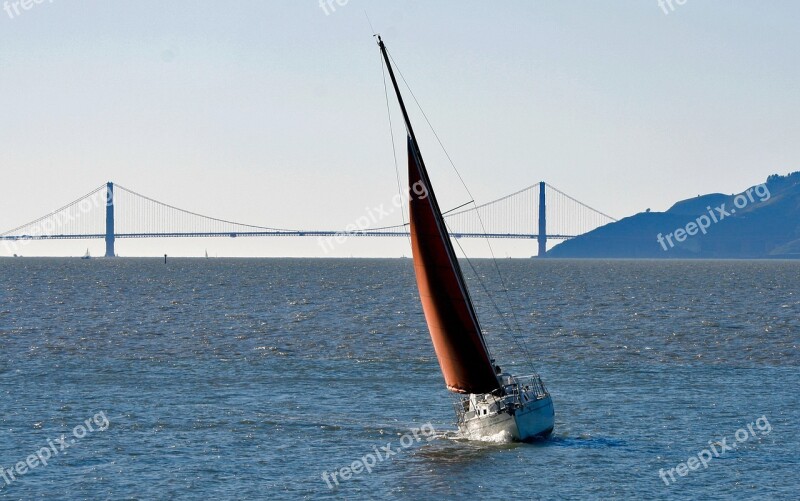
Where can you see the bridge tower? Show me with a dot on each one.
(110, 219)
(542, 236)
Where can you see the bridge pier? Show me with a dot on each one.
(110, 219)
(542, 236)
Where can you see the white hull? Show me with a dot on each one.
(536, 420)
(525, 412)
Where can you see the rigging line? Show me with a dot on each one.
(200, 215)
(488, 244)
(581, 203)
(394, 151)
(456, 208)
(531, 187)
(372, 230)
(370, 23)
(52, 213)
(480, 327)
(393, 227)
(520, 344)
(480, 281)
(431, 126)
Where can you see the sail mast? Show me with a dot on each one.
(449, 312)
(397, 90)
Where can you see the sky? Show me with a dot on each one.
(273, 112)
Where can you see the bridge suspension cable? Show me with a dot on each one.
(138, 216)
(82, 216)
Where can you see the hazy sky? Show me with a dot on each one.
(273, 112)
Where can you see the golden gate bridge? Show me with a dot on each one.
(539, 212)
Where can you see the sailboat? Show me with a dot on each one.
(492, 404)
(87, 255)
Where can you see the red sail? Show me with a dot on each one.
(448, 309)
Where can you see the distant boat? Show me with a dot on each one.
(87, 255)
(493, 404)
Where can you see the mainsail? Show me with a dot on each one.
(448, 309)
(452, 322)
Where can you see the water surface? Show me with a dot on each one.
(236, 379)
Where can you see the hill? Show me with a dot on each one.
(761, 222)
